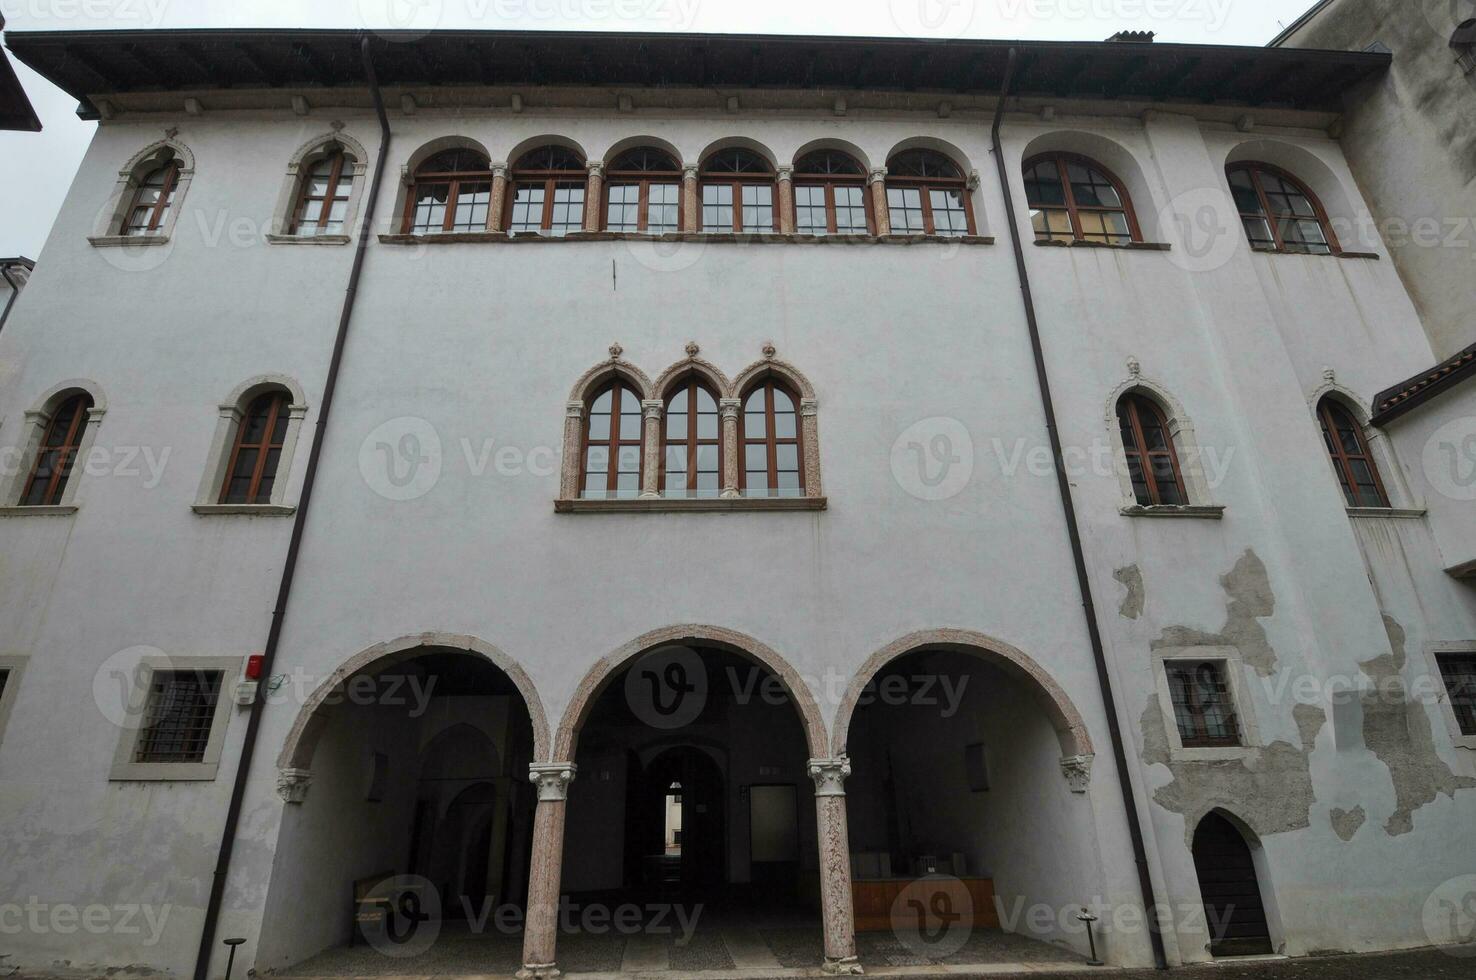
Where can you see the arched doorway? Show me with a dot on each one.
(1234, 910)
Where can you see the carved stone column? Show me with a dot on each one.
(541, 934)
(292, 784)
(651, 449)
(730, 407)
(786, 200)
(594, 195)
(498, 206)
(810, 427)
(879, 207)
(573, 447)
(691, 203)
(835, 865)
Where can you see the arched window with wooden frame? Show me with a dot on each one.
(613, 457)
(692, 442)
(769, 437)
(643, 192)
(738, 193)
(1279, 213)
(928, 194)
(256, 453)
(57, 453)
(323, 196)
(1347, 445)
(1153, 463)
(154, 196)
(1075, 198)
(830, 195)
(452, 192)
(547, 198)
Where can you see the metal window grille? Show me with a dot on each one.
(178, 716)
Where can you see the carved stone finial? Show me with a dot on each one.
(770, 350)
(1078, 772)
(292, 784)
(1135, 368)
(336, 125)
(171, 132)
(1329, 375)
(692, 349)
(830, 775)
(552, 780)
(615, 351)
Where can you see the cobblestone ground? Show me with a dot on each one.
(1418, 965)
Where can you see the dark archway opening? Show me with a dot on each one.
(1233, 907)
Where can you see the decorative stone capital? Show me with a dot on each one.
(830, 775)
(784, 173)
(848, 966)
(974, 180)
(538, 971)
(690, 172)
(1078, 771)
(651, 409)
(292, 784)
(552, 780)
(499, 170)
(877, 176)
(574, 410)
(95, 414)
(730, 407)
(596, 168)
(809, 407)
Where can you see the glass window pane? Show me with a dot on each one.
(758, 207)
(756, 458)
(676, 422)
(707, 425)
(948, 212)
(717, 208)
(787, 456)
(527, 212)
(784, 425)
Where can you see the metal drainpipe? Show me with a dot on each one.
(1073, 531)
(284, 590)
(14, 293)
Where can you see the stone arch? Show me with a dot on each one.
(1071, 730)
(616, 367)
(153, 155)
(58, 393)
(744, 142)
(1346, 214)
(949, 150)
(316, 147)
(33, 431)
(1181, 434)
(1252, 839)
(302, 739)
(704, 369)
(242, 394)
(438, 145)
(844, 146)
(631, 142)
(1386, 462)
(534, 142)
(1111, 156)
(599, 676)
(772, 366)
(110, 221)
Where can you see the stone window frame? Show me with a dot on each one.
(1403, 501)
(1186, 450)
(1238, 689)
(109, 231)
(12, 483)
(125, 770)
(1433, 651)
(231, 412)
(298, 167)
(14, 667)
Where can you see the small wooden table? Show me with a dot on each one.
(878, 909)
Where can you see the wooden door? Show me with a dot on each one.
(1234, 911)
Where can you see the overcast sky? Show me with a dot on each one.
(37, 169)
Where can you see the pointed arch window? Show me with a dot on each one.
(1074, 198)
(830, 195)
(692, 443)
(1153, 464)
(1278, 212)
(548, 192)
(612, 444)
(323, 198)
(153, 199)
(769, 438)
(927, 194)
(452, 192)
(257, 452)
(57, 454)
(1357, 473)
(738, 193)
(643, 192)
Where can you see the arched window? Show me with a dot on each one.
(769, 434)
(1353, 463)
(927, 194)
(323, 198)
(643, 192)
(691, 449)
(57, 453)
(1278, 212)
(830, 195)
(1152, 462)
(452, 192)
(738, 193)
(548, 192)
(612, 444)
(257, 452)
(153, 199)
(1073, 198)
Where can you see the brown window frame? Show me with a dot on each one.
(161, 206)
(1342, 460)
(737, 181)
(829, 182)
(1200, 738)
(1272, 218)
(1461, 694)
(931, 183)
(304, 196)
(644, 179)
(1132, 403)
(1073, 209)
(771, 441)
(60, 472)
(614, 443)
(279, 408)
(455, 179)
(688, 388)
(525, 176)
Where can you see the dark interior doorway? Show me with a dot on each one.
(1233, 908)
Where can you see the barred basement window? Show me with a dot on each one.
(1459, 671)
(179, 716)
(1203, 707)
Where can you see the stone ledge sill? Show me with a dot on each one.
(55, 510)
(1317, 255)
(309, 239)
(252, 510)
(120, 241)
(1124, 246)
(1400, 513)
(1208, 512)
(470, 237)
(660, 505)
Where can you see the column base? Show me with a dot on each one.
(538, 971)
(846, 966)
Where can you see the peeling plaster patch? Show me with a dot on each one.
(1272, 792)
(1398, 731)
(1345, 823)
(1132, 579)
(1251, 599)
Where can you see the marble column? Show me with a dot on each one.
(691, 201)
(835, 865)
(786, 201)
(881, 213)
(497, 209)
(541, 933)
(651, 449)
(594, 195)
(573, 450)
(730, 407)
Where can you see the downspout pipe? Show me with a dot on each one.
(1073, 531)
(14, 293)
(294, 547)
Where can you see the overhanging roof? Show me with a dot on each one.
(98, 63)
(15, 108)
(1413, 392)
